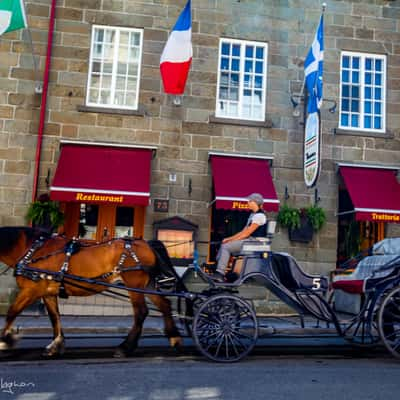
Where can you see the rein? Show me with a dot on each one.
(5, 271)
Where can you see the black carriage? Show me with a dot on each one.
(225, 328)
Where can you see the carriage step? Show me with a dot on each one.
(166, 283)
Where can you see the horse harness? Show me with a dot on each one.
(23, 269)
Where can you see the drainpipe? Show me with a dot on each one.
(44, 99)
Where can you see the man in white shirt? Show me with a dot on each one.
(255, 227)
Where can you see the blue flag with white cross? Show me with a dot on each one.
(314, 68)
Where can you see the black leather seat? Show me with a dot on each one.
(290, 274)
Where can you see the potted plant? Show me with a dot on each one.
(289, 217)
(303, 222)
(317, 216)
(45, 214)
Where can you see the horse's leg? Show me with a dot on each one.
(56, 347)
(128, 346)
(171, 331)
(25, 297)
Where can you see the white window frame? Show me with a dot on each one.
(117, 30)
(241, 72)
(361, 113)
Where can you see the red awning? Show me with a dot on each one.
(374, 192)
(96, 173)
(236, 177)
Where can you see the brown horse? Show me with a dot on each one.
(91, 261)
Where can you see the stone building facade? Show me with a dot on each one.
(184, 135)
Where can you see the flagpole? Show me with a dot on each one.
(38, 84)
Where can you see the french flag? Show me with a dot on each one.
(177, 54)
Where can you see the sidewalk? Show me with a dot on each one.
(39, 325)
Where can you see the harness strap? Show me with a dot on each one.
(119, 267)
(27, 258)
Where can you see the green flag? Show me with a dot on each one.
(12, 15)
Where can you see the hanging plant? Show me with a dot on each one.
(289, 217)
(301, 222)
(317, 216)
(45, 213)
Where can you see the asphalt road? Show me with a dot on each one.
(187, 377)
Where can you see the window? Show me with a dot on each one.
(124, 218)
(88, 221)
(179, 243)
(242, 74)
(362, 91)
(114, 69)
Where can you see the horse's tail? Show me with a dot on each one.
(164, 263)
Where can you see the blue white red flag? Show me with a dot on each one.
(314, 68)
(177, 54)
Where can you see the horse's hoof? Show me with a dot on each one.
(8, 341)
(4, 346)
(54, 352)
(176, 342)
(119, 353)
(122, 353)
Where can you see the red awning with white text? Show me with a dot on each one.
(96, 173)
(374, 192)
(237, 177)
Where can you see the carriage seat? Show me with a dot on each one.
(369, 270)
(291, 275)
(259, 244)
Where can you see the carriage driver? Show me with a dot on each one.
(255, 227)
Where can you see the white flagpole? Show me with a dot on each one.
(38, 83)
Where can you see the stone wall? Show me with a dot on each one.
(184, 134)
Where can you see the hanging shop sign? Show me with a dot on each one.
(311, 149)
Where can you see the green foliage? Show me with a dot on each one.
(352, 239)
(316, 216)
(44, 212)
(289, 217)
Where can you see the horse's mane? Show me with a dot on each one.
(9, 235)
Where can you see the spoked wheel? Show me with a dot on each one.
(225, 328)
(389, 321)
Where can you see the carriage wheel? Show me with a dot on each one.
(225, 328)
(389, 321)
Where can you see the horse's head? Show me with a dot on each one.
(16, 241)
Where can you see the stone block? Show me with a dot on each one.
(220, 143)
(73, 118)
(17, 167)
(195, 115)
(254, 146)
(83, 4)
(6, 112)
(188, 154)
(201, 141)
(184, 166)
(72, 39)
(168, 152)
(69, 14)
(109, 120)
